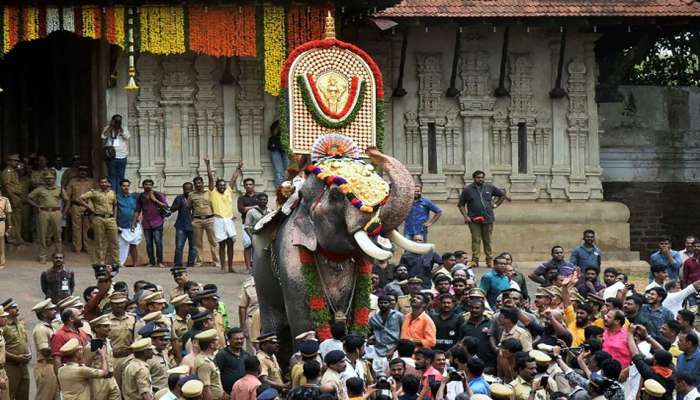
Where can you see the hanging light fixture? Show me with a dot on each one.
(132, 67)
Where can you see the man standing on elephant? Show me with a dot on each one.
(475, 204)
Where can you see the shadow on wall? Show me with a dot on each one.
(658, 209)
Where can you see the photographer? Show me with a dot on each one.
(472, 382)
(103, 274)
(610, 369)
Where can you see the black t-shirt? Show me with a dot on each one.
(230, 366)
(480, 332)
(304, 393)
(447, 331)
(478, 200)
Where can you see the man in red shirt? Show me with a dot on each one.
(691, 266)
(72, 321)
(424, 358)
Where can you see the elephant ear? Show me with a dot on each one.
(302, 229)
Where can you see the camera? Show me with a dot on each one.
(383, 386)
(103, 272)
(454, 375)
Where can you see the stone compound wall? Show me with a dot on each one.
(650, 153)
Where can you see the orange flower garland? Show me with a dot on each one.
(114, 30)
(305, 23)
(222, 31)
(31, 23)
(10, 28)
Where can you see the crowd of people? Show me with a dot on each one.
(441, 326)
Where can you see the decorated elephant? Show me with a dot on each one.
(313, 266)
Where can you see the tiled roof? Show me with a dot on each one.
(543, 8)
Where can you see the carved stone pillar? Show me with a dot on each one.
(522, 116)
(577, 117)
(560, 146)
(250, 113)
(176, 98)
(147, 122)
(593, 169)
(231, 139)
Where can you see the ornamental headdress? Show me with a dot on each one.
(330, 86)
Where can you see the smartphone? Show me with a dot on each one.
(96, 344)
(544, 381)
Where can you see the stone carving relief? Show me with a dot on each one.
(577, 129)
(522, 112)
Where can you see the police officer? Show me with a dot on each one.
(181, 277)
(181, 322)
(74, 378)
(80, 224)
(270, 370)
(47, 201)
(415, 284)
(204, 366)
(44, 374)
(5, 226)
(249, 312)
(4, 384)
(102, 388)
(192, 389)
(161, 362)
(9, 179)
(103, 208)
(121, 332)
(209, 299)
(136, 379)
(18, 352)
(38, 176)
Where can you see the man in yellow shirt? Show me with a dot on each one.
(577, 321)
(222, 201)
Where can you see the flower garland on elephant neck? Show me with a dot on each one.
(318, 305)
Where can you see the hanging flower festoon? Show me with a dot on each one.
(130, 49)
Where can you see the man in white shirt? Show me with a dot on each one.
(684, 386)
(675, 298)
(614, 282)
(338, 331)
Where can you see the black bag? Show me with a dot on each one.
(165, 212)
(110, 152)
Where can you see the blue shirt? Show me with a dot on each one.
(691, 365)
(673, 269)
(656, 317)
(493, 284)
(586, 257)
(126, 206)
(420, 213)
(479, 386)
(421, 265)
(386, 333)
(184, 217)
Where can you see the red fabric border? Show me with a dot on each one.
(327, 43)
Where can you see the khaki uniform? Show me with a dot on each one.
(11, 189)
(269, 366)
(4, 393)
(176, 291)
(79, 222)
(44, 374)
(75, 381)
(136, 380)
(27, 211)
(220, 327)
(70, 173)
(5, 212)
(16, 342)
(121, 336)
(49, 217)
(104, 224)
(202, 220)
(249, 300)
(106, 388)
(36, 179)
(207, 372)
(158, 366)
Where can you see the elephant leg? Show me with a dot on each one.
(272, 312)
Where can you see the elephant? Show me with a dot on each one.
(325, 223)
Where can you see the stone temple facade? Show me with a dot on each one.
(544, 151)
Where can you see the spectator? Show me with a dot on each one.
(632, 308)
(385, 270)
(685, 386)
(475, 204)
(277, 153)
(689, 359)
(57, 282)
(661, 369)
(495, 281)
(669, 259)
(246, 387)
(578, 322)
(338, 332)
(525, 382)
(557, 262)
(516, 276)
(183, 227)
(405, 349)
(589, 283)
(612, 284)
(310, 389)
(686, 319)
(477, 327)
(417, 325)
(149, 208)
(231, 359)
(395, 286)
(475, 380)
(397, 370)
(429, 375)
(421, 265)
(410, 385)
(355, 365)
(691, 265)
(676, 297)
(688, 249)
(659, 275)
(419, 220)
(447, 323)
(355, 387)
(587, 255)
(385, 326)
(654, 311)
(129, 234)
(615, 337)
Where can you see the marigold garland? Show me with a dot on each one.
(10, 28)
(31, 23)
(319, 312)
(114, 29)
(305, 23)
(222, 31)
(91, 26)
(162, 30)
(273, 43)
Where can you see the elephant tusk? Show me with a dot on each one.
(369, 247)
(410, 245)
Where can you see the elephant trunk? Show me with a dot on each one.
(395, 211)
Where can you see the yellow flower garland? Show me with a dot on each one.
(32, 26)
(162, 29)
(88, 18)
(275, 49)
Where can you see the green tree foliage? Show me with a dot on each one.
(672, 61)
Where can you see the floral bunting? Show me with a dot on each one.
(91, 22)
(305, 23)
(10, 28)
(222, 31)
(53, 21)
(31, 23)
(273, 39)
(68, 20)
(114, 29)
(162, 29)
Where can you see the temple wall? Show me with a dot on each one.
(650, 152)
